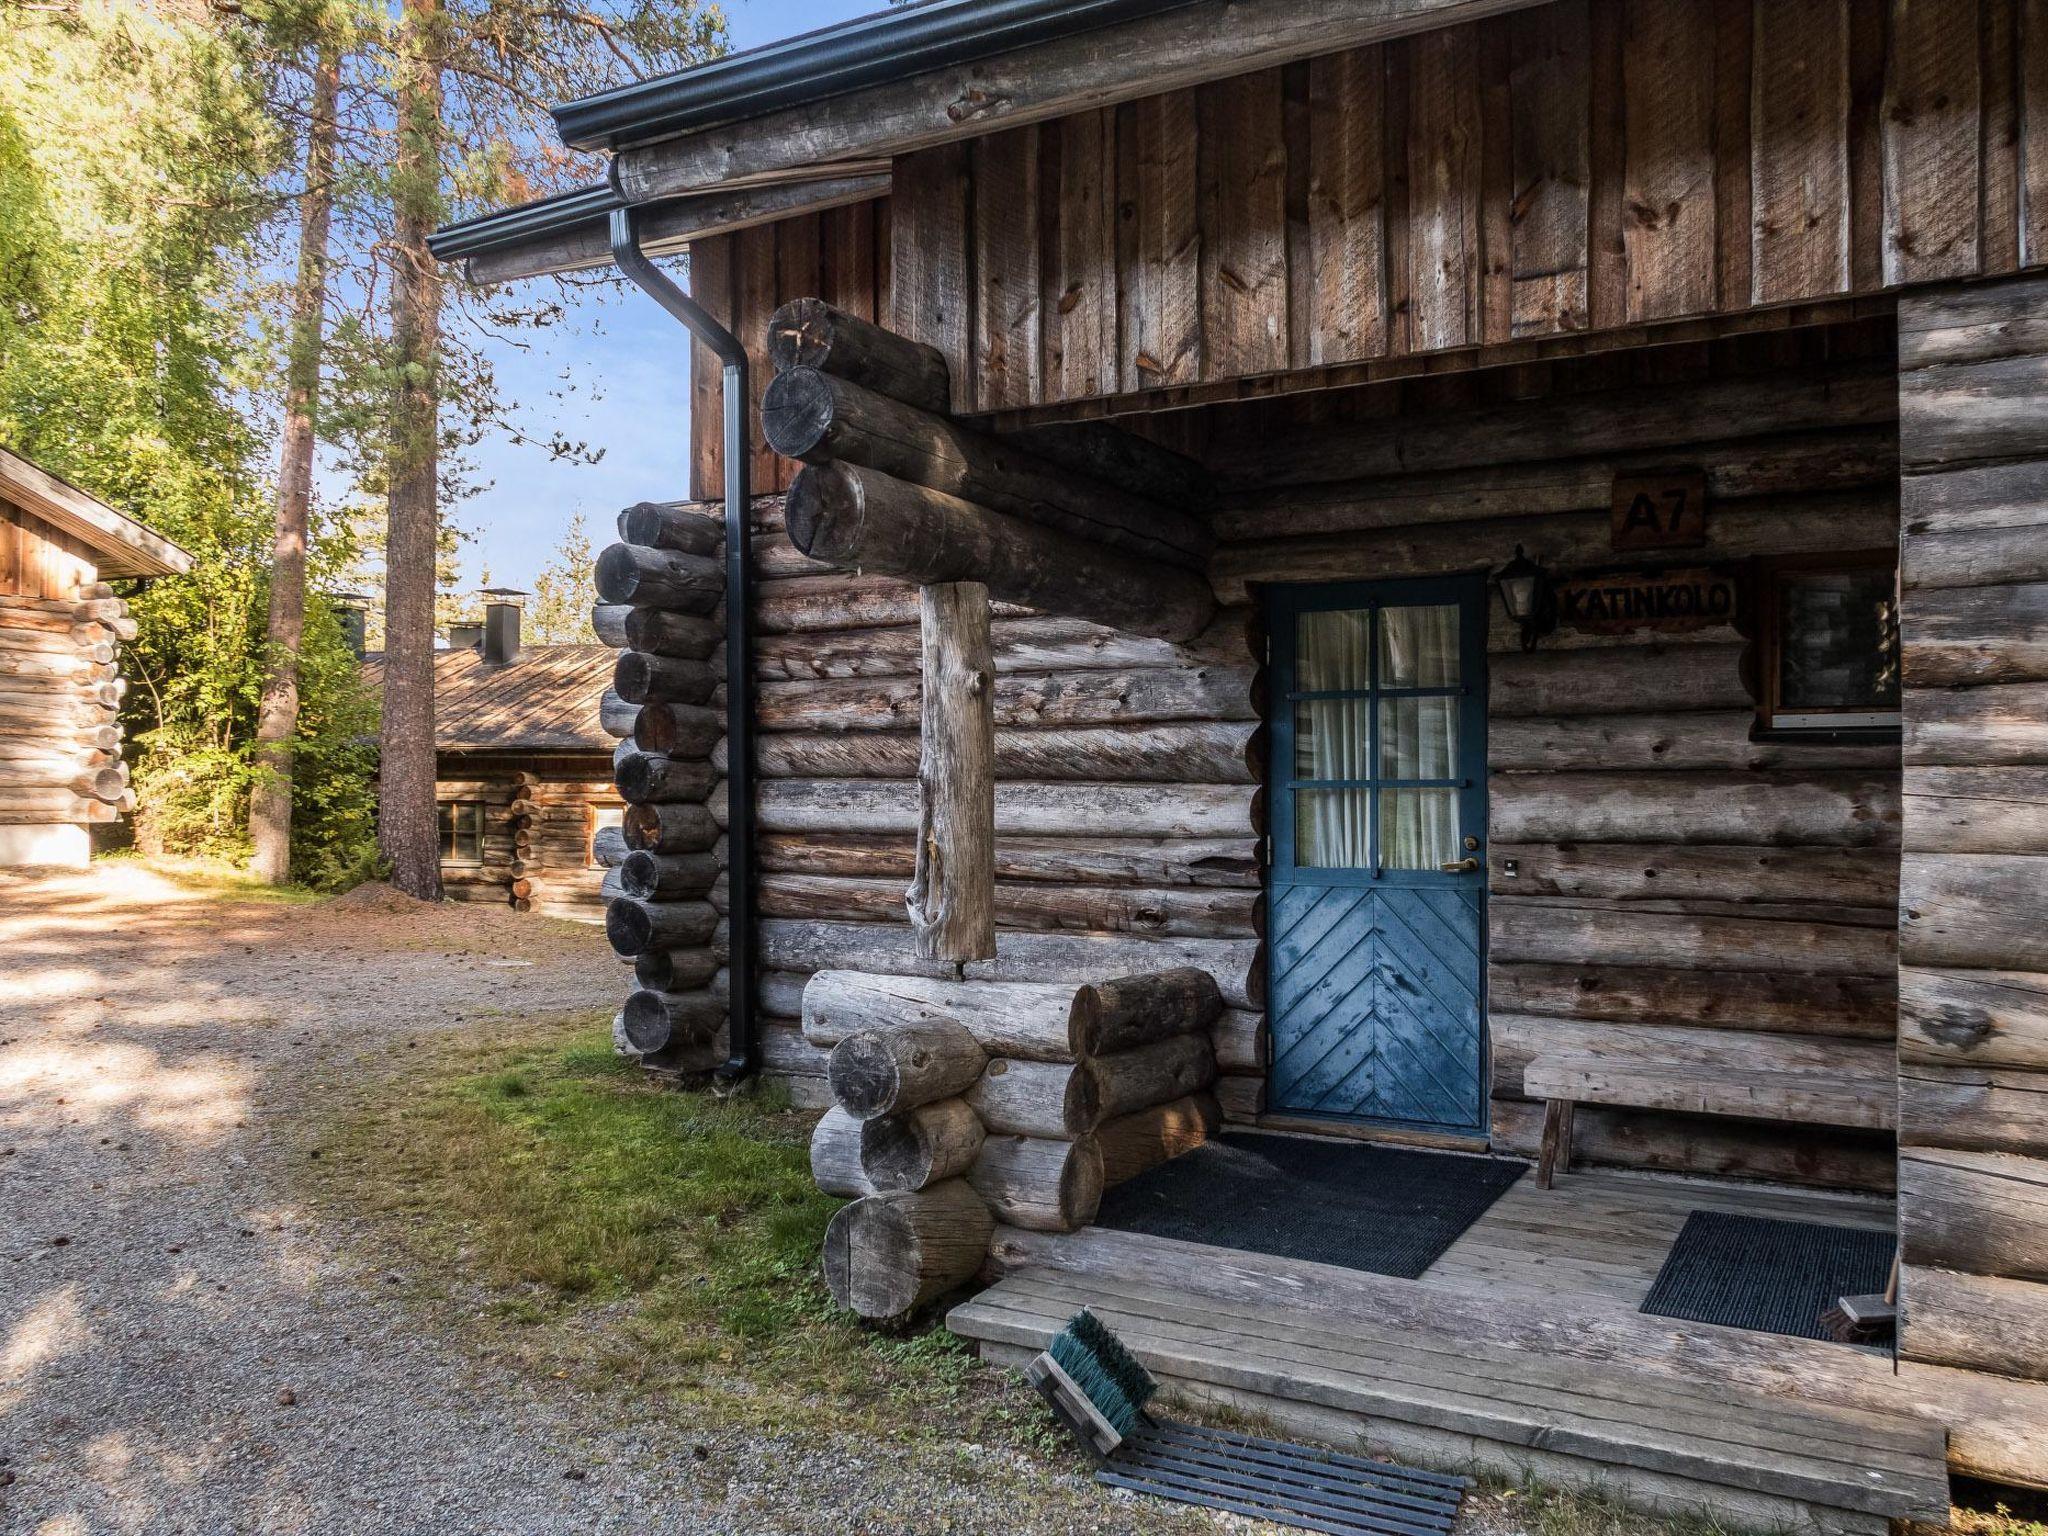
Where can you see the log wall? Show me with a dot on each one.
(1684, 897)
(60, 693)
(1584, 167)
(1125, 797)
(1973, 911)
(538, 818)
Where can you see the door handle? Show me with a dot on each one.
(1464, 866)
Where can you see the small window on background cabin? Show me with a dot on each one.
(600, 817)
(462, 831)
(1830, 632)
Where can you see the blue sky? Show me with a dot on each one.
(622, 367)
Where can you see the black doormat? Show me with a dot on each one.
(1772, 1276)
(1308, 1488)
(1389, 1210)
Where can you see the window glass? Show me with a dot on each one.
(1331, 829)
(1331, 740)
(1418, 828)
(1419, 738)
(1334, 651)
(1419, 647)
(1838, 641)
(462, 831)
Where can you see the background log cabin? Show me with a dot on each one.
(523, 767)
(1416, 308)
(61, 626)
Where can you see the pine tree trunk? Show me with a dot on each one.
(277, 718)
(406, 830)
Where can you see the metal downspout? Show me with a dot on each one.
(744, 1057)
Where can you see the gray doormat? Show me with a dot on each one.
(1769, 1275)
(1388, 1210)
(1308, 1488)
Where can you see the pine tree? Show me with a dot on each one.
(277, 716)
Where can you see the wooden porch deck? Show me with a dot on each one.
(1521, 1351)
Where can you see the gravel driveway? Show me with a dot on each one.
(185, 1347)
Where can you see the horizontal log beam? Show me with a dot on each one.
(808, 333)
(863, 519)
(813, 417)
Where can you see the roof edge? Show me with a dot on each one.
(832, 61)
(131, 548)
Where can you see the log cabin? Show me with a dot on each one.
(1455, 576)
(61, 626)
(523, 767)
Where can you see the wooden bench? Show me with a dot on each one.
(1858, 1094)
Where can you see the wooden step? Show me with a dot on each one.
(1664, 1444)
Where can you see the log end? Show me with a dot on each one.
(640, 875)
(617, 575)
(796, 413)
(800, 334)
(823, 511)
(645, 1023)
(629, 927)
(864, 1076)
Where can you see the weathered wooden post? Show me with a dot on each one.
(952, 892)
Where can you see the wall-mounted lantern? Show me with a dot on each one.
(1525, 592)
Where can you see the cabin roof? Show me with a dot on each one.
(546, 699)
(123, 546)
(831, 61)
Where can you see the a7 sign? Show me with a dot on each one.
(1660, 511)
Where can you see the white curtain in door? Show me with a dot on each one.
(1418, 736)
(1332, 740)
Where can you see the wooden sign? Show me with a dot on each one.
(1694, 598)
(1666, 511)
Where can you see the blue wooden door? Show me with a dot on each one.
(1375, 921)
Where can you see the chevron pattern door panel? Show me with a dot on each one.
(1375, 997)
(1375, 921)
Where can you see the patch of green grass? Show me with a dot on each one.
(644, 1236)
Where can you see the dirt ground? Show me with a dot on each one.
(192, 1340)
(188, 1345)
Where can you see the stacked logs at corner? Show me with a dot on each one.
(1127, 807)
(661, 593)
(891, 485)
(543, 862)
(964, 1105)
(60, 692)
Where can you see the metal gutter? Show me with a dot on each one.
(743, 1058)
(528, 221)
(869, 50)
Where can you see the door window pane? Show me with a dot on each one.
(1330, 739)
(1333, 654)
(1418, 828)
(1330, 828)
(1419, 738)
(1419, 647)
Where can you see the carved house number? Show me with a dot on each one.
(1662, 511)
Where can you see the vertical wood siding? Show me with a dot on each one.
(842, 255)
(1592, 163)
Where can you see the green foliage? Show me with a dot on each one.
(558, 613)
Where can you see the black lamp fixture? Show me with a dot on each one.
(1526, 595)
